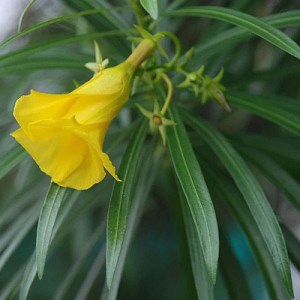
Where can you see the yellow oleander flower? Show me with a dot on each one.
(64, 133)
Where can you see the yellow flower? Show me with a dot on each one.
(64, 133)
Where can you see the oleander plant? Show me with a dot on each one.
(150, 150)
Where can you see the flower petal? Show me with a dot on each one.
(56, 157)
(109, 166)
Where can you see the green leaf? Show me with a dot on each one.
(47, 23)
(196, 193)
(203, 283)
(46, 223)
(228, 38)
(269, 109)
(25, 11)
(252, 24)
(230, 196)
(252, 192)
(120, 202)
(23, 53)
(144, 183)
(106, 19)
(31, 268)
(28, 277)
(41, 64)
(11, 159)
(280, 177)
(150, 7)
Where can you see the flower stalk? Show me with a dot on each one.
(141, 52)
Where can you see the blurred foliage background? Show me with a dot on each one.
(262, 86)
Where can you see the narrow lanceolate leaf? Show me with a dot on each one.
(25, 11)
(28, 277)
(11, 159)
(196, 193)
(47, 23)
(12, 57)
(280, 177)
(203, 284)
(120, 202)
(228, 38)
(229, 195)
(144, 183)
(269, 109)
(151, 7)
(252, 24)
(252, 192)
(31, 268)
(46, 224)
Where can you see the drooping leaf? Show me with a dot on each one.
(230, 197)
(121, 199)
(31, 268)
(144, 184)
(251, 23)
(46, 223)
(28, 277)
(203, 283)
(252, 193)
(230, 37)
(196, 193)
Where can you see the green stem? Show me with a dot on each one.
(141, 52)
(169, 94)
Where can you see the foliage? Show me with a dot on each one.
(207, 148)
